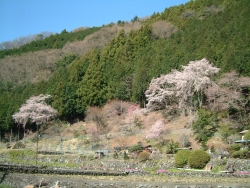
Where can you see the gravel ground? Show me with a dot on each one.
(21, 180)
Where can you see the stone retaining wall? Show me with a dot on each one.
(12, 168)
(21, 180)
(119, 165)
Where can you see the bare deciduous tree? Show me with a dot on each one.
(232, 91)
(162, 29)
(184, 140)
(115, 108)
(95, 114)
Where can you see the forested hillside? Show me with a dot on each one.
(124, 65)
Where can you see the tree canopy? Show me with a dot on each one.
(129, 67)
(181, 87)
(35, 110)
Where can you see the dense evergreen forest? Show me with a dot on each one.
(211, 29)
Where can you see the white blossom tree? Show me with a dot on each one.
(155, 130)
(181, 87)
(35, 110)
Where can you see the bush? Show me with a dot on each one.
(143, 156)
(19, 145)
(181, 158)
(242, 154)
(247, 135)
(8, 145)
(138, 147)
(233, 148)
(172, 147)
(219, 166)
(125, 156)
(116, 156)
(198, 159)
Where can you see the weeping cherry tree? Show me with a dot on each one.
(181, 87)
(35, 110)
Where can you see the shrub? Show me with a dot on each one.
(8, 145)
(198, 159)
(226, 131)
(242, 154)
(247, 135)
(125, 156)
(172, 147)
(233, 148)
(138, 147)
(205, 126)
(219, 166)
(236, 154)
(116, 156)
(181, 158)
(212, 149)
(143, 156)
(19, 145)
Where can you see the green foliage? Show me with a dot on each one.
(212, 149)
(10, 103)
(143, 156)
(19, 145)
(125, 156)
(247, 135)
(135, 19)
(93, 87)
(242, 154)
(76, 134)
(56, 41)
(181, 158)
(226, 131)
(5, 186)
(198, 159)
(65, 61)
(138, 147)
(20, 154)
(205, 126)
(221, 165)
(138, 122)
(115, 155)
(172, 147)
(234, 147)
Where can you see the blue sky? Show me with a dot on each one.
(20, 18)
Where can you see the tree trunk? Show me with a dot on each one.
(37, 142)
(10, 135)
(18, 138)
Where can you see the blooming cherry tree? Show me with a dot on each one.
(180, 87)
(35, 110)
(155, 130)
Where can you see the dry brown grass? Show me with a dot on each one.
(126, 129)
